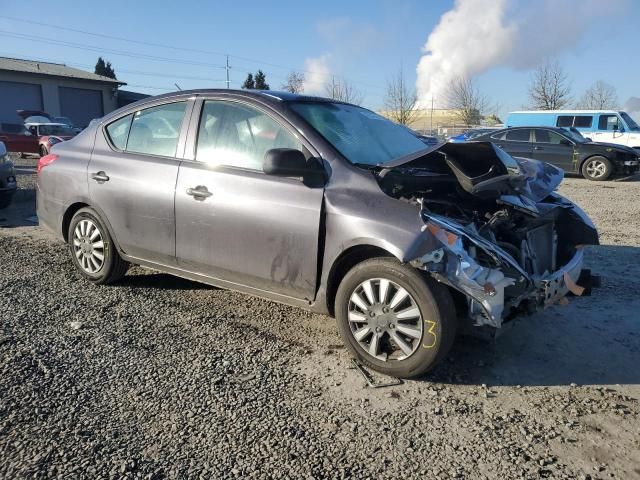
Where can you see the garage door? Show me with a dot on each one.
(81, 105)
(18, 96)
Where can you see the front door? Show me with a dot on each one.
(551, 147)
(132, 178)
(237, 224)
(609, 130)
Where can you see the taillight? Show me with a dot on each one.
(46, 160)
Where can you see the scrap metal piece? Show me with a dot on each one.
(573, 287)
(369, 378)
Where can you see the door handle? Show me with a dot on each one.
(100, 177)
(538, 148)
(199, 193)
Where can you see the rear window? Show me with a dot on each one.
(12, 128)
(518, 135)
(579, 121)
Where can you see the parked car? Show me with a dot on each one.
(8, 184)
(471, 134)
(600, 125)
(17, 138)
(323, 205)
(68, 122)
(47, 131)
(567, 150)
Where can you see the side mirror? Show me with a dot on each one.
(588, 139)
(289, 162)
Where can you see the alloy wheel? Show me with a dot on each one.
(596, 169)
(385, 319)
(88, 246)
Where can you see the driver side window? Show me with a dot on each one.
(608, 123)
(237, 135)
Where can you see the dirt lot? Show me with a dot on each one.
(158, 377)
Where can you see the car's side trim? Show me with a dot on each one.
(217, 282)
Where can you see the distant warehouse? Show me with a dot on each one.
(57, 89)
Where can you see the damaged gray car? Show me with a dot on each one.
(322, 205)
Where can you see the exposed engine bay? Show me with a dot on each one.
(509, 243)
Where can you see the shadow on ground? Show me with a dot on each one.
(592, 341)
(160, 281)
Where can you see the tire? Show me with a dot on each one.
(86, 247)
(432, 331)
(597, 168)
(43, 151)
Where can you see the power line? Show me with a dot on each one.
(185, 49)
(52, 41)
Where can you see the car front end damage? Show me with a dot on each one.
(506, 240)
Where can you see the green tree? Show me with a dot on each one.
(261, 81)
(249, 82)
(105, 69)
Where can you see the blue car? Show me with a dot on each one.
(471, 134)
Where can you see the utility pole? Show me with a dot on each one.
(227, 68)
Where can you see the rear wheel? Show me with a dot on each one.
(394, 318)
(92, 249)
(596, 168)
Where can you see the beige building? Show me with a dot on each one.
(440, 121)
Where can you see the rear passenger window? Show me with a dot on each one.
(579, 121)
(155, 131)
(518, 135)
(564, 121)
(118, 132)
(583, 121)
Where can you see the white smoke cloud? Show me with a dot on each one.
(632, 107)
(477, 35)
(317, 73)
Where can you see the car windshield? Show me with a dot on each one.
(55, 130)
(575, 135)
(631, 123)
(362, 136)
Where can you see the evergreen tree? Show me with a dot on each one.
(261, 81)
(249, 83)
(104, 68)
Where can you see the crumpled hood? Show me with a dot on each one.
(486, 171)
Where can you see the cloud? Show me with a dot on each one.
(317, 73)
(477, 35)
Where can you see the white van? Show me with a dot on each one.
(607, 126)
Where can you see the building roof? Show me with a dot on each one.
(52, 69)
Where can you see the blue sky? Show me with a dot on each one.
(364, 41)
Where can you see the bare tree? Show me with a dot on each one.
(469, 104)
(294, 83)
(549, 88)
(400, 100)
(343, 91)
(599, 96)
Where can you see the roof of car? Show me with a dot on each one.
(565, 111)
(274, 95)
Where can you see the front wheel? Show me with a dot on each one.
(92, 249)
(394, 318)
(596, 168)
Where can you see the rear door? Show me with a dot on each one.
(235, 223)
(551, 147)
(515, 141)
(132, 178)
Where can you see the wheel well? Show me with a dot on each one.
(68, 215)
(345, 262)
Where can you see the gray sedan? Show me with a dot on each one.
(323, 205)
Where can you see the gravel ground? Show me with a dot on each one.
(159, 377)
